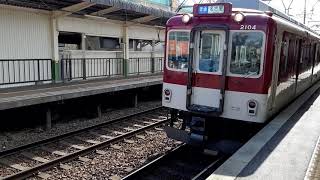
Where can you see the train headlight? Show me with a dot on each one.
(252, 104)
(252, 107)
(167, 95)
(238, 17)
(167, 92)
(186, 18)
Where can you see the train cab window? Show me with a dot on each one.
(178, 49)
(246, 53)
(210, 52)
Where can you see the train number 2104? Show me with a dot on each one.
(248, 27)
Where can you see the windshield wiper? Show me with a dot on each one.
(250, 74)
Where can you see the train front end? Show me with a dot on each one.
(217, 69)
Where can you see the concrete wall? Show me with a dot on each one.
(27, 35)
(147, 33)
(107, 28)
(24, 35)
(90, 27)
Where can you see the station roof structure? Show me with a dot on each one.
(121, 10)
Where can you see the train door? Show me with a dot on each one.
(207, 73)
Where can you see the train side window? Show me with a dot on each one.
(246, 53)
(317, 60)
(318, 54)
(286, 51)
(284, 63)
(305, 61)
(178, 49)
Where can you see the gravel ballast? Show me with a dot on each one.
(117, 163)
(12, 139)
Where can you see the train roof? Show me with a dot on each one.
(279, 16)
(276, 14)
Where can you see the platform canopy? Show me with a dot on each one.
(121, 10)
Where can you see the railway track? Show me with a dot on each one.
(35, 158)
(184, 162)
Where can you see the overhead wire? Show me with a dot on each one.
(181, 5)
(287, 9)
(312, 9)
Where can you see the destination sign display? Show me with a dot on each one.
(213, 9)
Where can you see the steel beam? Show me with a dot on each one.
(105, 11)
(72, 9)
(145, 19)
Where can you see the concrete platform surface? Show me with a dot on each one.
(283, 149)
(15, 99)
(314, 165)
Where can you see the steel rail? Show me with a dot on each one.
(214, 164)
(156, 163)
(44, 166)
(153, 163)
(69, 134)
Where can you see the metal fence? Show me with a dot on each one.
(20, 72)
(138, 66)
(158, 64)
(72, 69)
(30, 71)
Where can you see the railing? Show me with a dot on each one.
(20, 72)
(138, 66)
(30, 71)
(158, 64)
(72, 69)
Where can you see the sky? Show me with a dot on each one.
(296, 10)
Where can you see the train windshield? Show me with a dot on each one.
(178, 49)
(246, 53)
(210, 52)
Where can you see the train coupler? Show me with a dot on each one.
(173, 116)
(197, 131)
(177, 134)
(195, 135)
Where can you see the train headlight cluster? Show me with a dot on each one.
(186, 18)
(238, 17)
(252, 107)
(167, 95)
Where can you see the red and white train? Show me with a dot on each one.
(225, 64)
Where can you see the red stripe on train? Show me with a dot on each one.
(249, 85)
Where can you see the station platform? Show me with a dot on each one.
(38, 95)
(285, 149)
